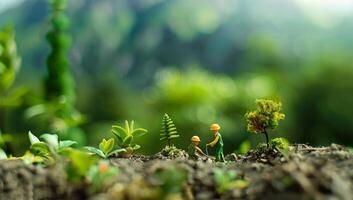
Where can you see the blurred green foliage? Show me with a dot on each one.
(59, 82)
(201, 63)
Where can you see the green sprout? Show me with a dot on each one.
(125, 137)
(106, 148)
(168, 131)
(282, 145)
(51, 147)
(228, 180)
(265, 117)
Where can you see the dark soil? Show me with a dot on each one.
(307, 173)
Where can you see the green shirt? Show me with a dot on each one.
(219, 143)
(192, 149)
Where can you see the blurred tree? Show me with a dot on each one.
(59, 82)
(9, 59)
(9, 66)
(57, 113)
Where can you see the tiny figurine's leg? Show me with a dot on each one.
(222, 156)
(218, 154)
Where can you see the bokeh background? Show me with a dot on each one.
(199, 61)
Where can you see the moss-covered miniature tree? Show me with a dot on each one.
(59, 82)
(265, 117)
(168, 131)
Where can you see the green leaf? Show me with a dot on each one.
(40, 148)
(35, 111)
(32, 138)
(119, 132)
(51, 140)
(174, 136)
(2, 154)
(135, 147)
(127, 129)
(96, 151)
(106, 145)
(132, 126)
(66, 143)
(139, 132)
(127, 140)
(117, 151)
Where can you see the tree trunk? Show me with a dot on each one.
(267, 141)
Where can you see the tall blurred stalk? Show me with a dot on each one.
(9, 65)
(59, 83)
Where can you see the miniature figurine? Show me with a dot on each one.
(193, 150)
(217, 142)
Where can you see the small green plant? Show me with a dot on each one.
(265, 117)
(282, 145)
(168, 131)
(228, 180)
(51, 146)
(106, 148)
(125, 137)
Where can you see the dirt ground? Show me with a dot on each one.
(305, 173)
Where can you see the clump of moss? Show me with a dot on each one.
(173, 152)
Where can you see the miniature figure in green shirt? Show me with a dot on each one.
(193, 150)
(217, 142)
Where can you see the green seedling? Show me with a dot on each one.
(281, 145)
(29, 158)
(51, 146)
(266, 117)
(168, 131)
(125, 138)
(228, 180)
(106, 149)
(100, 175)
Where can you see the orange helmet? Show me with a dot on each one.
(195, 139)
(215, 127)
